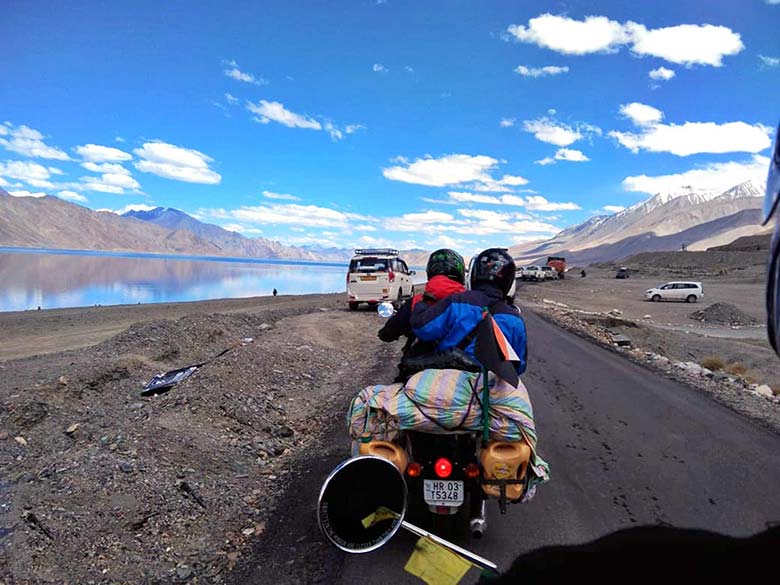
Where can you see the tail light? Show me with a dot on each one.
(391, 275)
(472, 471)
(443, 467)
(414, 470)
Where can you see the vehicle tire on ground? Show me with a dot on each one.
(400, 299)
(690, 299)
(656, 298)
(353, 306)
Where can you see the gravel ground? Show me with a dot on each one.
(101, 485)
(724, 314)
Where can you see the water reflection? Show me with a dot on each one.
(29, 280)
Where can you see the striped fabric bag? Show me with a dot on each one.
(446, 401)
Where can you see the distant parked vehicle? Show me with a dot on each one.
(623, 272)
(533, 273)
(559, 264)
(519, 272)
(690, 292)
(550, 273)
(376, 275)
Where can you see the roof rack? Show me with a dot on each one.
(376, 252)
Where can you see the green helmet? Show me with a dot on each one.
(446, 262)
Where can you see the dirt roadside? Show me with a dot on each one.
(100, 485)
(27, 333)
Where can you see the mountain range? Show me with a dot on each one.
(50, 222)
(696, 218)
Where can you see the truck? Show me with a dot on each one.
(558, 263)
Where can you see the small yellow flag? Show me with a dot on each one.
(381, 513)
(435, 564)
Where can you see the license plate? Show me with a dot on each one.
(438, 492)
(368, 278)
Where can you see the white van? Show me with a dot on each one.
(376, 275)
(690, 292)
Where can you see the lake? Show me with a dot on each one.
(32, 278)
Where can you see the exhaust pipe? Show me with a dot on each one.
(478, 522)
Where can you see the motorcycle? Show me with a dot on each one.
(445, 471)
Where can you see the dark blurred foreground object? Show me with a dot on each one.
(656, 554)
(276, 292)
(772, 284)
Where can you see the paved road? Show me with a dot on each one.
(627, 447)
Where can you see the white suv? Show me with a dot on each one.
(690, 292)
(376, 275)
(533, 273)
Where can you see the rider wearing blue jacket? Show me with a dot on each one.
(451, 322)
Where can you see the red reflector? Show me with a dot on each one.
(472, 471)
(414, 470)
(443, 467)
(391, 276)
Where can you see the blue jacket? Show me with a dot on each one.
(449, 321)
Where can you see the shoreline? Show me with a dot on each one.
(160, 256)
(31, 332)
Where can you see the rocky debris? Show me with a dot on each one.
(164, 489)
(724, 314)
(764, 390)
(555, 303)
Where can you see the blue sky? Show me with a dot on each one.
(413, 124)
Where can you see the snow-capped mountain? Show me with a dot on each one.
(696, 217)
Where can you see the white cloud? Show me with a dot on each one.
(29, 172)
(662, 73)
(242, 229)
(451, 169)
(352, 128)
(548, 160)
(552, 132)
(540, 71)
(641, 114)
(464, 197)
(72, 196)
(29, 142)
(379, 68)
(770, 61)
(280, 196)
(288, 214)
(118, 139)
(686, 44)
(408, 69)
(105, 168)
(507, 122)
(234, 72)
(697, 137)
(231, 99)
(539, 203)
(614, 208)
(564, 35)
(364, 228)
(23, 193)
(712, 177)
(513, 180)
(175, 162)
(98, 154)
(570, 155)
(276, 112)
(531, 202)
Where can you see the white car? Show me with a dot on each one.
(549, 273)
(376, 275)
(533, 273)
(690, 292)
